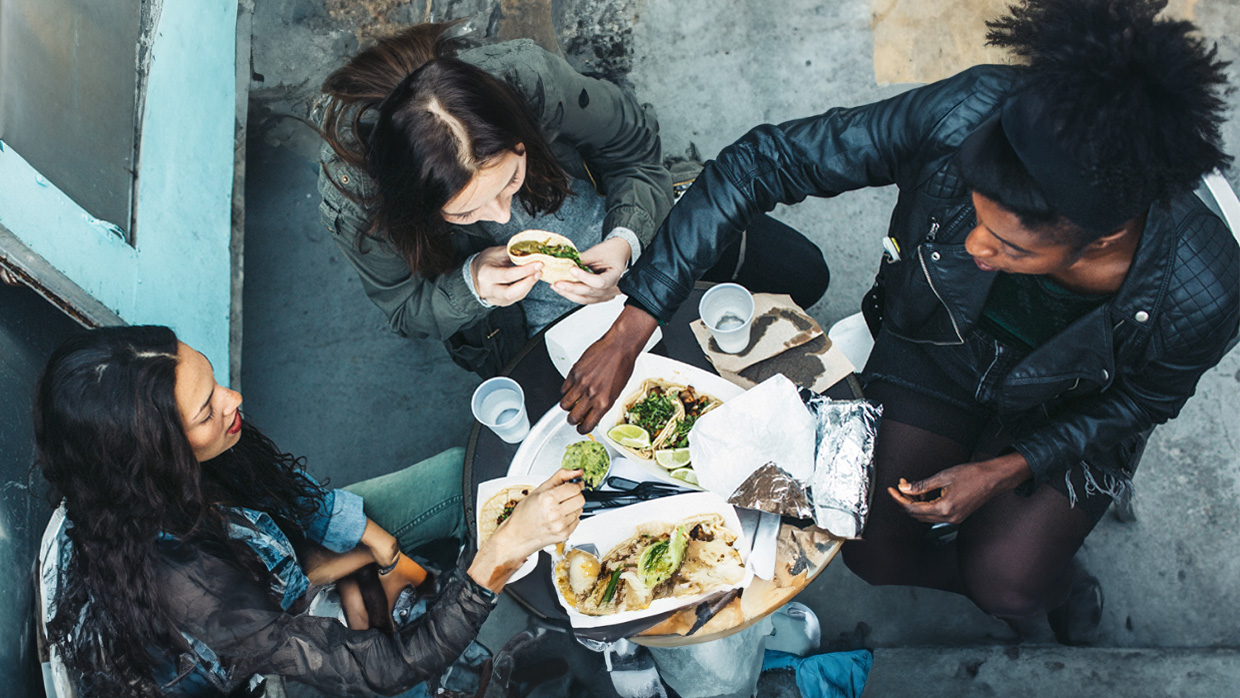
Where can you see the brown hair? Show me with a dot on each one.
(432, 122)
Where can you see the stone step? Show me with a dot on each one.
(1062, 672)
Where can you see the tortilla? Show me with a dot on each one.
(617, 584)
(627, 416)
(498, 508)
(559, 258)
(693, 405)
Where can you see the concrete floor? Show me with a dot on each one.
(326, 379)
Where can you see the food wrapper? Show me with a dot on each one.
(771, 488)
(769, 423)
(844, 463)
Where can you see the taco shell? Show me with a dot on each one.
(555, 268)
(492, 513)
(677, 412)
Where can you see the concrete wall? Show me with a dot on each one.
(177, 272)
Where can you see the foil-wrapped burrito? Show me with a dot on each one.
(843, 463)
(771, 488)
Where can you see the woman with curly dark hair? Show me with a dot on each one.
(1058, 290)
(430, 142)
(194, 547)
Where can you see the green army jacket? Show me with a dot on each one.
(597, 132)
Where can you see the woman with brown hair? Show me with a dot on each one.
(195, 550)
(427, 145)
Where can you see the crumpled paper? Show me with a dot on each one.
(843, 463)
(767, 424)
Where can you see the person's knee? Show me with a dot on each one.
(874, 564)
(1008, 603)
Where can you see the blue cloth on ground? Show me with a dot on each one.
(830, 675)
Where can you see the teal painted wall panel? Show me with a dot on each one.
(178, 272)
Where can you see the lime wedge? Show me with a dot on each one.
(685, 475)
(672, 458)
(629, 436)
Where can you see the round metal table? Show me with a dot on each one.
(803, 550)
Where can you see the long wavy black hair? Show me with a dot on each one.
(421, 123)
(110, 441)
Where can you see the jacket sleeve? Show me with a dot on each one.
(1193, 333)
(414, 306)
(219, 606)
(614, 135)
(842, 150)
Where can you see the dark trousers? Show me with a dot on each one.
(773, 257)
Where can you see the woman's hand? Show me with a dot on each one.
(595, 381)
(950, 495)
(608, 259)
(499, 281)
(547, 516)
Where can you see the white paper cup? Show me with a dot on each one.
(727, 311)
(499, 403)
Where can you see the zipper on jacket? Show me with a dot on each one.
(925, 270)
(934, 229)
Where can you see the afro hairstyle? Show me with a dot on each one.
(1138, 98)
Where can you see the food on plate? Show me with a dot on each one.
(654, 409)
(498, 508)
(672, 458)
(590, 457)
(660, 560)
(557, 253)
(583, 570)
(693, 405)
(629, 435)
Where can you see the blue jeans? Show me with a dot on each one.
(419, 504)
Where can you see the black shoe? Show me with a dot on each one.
(1076, 621)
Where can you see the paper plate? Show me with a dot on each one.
(491, 487)
(608, 529)
(654, 366)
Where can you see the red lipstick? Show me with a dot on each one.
(236, 426)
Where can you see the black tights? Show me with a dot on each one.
(1011, 557)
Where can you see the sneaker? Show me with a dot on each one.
(1076, 621)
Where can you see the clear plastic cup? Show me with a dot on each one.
(727, 311)
(499, 403)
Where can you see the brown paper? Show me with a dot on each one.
(778, 325)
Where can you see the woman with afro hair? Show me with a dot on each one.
(1059, 290)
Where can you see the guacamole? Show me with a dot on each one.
(588, 456)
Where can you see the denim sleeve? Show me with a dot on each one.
(339, 522)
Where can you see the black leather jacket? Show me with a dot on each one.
(1091, 394)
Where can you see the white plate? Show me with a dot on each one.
(610, 528)
(569, 338)
(661, 367)
(491, 487)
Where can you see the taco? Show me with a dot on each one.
(498, 508)
(654, 408)
(557, 253)
(660, 561)
(693, 405)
